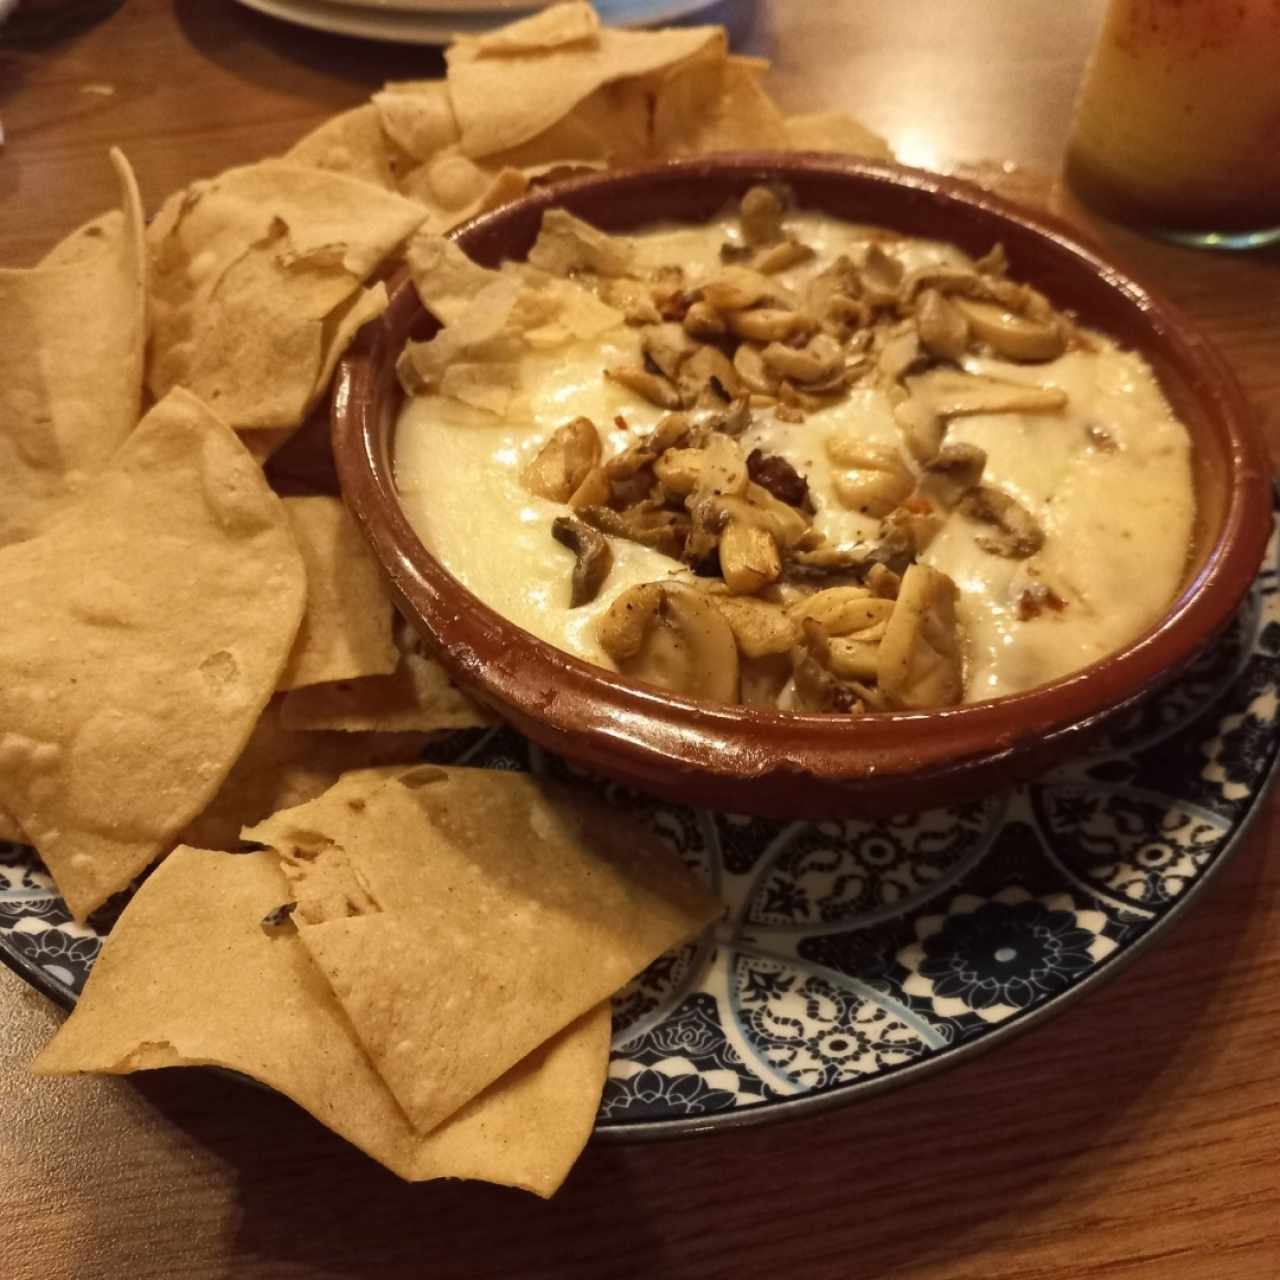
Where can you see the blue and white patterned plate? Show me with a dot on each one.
(857, 955)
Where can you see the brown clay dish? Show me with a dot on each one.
(782, 764)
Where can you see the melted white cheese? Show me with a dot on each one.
(1117, 522)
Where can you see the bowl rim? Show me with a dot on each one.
(646, 732)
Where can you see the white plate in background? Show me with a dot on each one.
(403, 27)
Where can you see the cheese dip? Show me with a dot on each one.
(782, 459)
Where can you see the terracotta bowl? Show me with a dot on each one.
(783, 764)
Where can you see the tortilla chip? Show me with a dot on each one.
(87, 242)
(155, 999)
(346, 629)
(419, 696)
(447, 280)
(527, 900)
(145, 630)
(741, 117)
(353, 144)
(502, 100)
(279, 769)
(252, 274)
(72, 333)
(557, 25)
(835, 131)
(418, 117)
(566, 244)
(452, 188)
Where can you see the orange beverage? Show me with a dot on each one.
(1178, 124)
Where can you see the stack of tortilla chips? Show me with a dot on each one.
(185, 653)
(422, 958)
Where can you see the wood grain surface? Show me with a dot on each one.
(1136, 1136)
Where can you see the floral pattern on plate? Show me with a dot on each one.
(853, 951)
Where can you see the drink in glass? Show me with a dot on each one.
(1177, 129)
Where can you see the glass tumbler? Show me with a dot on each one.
(1177, 127)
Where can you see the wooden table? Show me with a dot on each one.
(1136, 1136)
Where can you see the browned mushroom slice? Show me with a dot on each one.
(1016, 534)
(668, 346)
(919, 662)
(818, 361)
(761, 213)
(708, 374)
(649, 525)
(652, 387)
(899, 352)
(749, 557)
(817, 688)
(943, 277)
(782, 256)
(1016, 337)
(957, 469)
(674, 637)
(702, 320)
(882, 276)
(566, 245)
(564, 462)
(759, 627)
(592, 558)
(716, 470)
(737, 288)
(942, 327)
(921, 426)
(773, 472)
(955, 395)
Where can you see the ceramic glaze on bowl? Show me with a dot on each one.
(785, 764)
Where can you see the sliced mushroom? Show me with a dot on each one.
(957, 469)
(668, 346)
(940, 277)
(789, 526)
(955, 395)
(674, 637)
(716, 470)
(769, 324)
(749, 557)
(592, 558)
(817, 688)
(759, 627)
(818, 361)
(564, 461)
(648, 524)
(1016, 536)
(943, 330)
(842, 611)
(709, 369)
(650, 386)
(1011, 335)
(882, 276)
(919, 660)
(702, 320)
(736, 288)
(876, 478)
(593, 491)
(748, 360)
(761, 213)
(781, 256)
(900, 351)
(773, 472)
